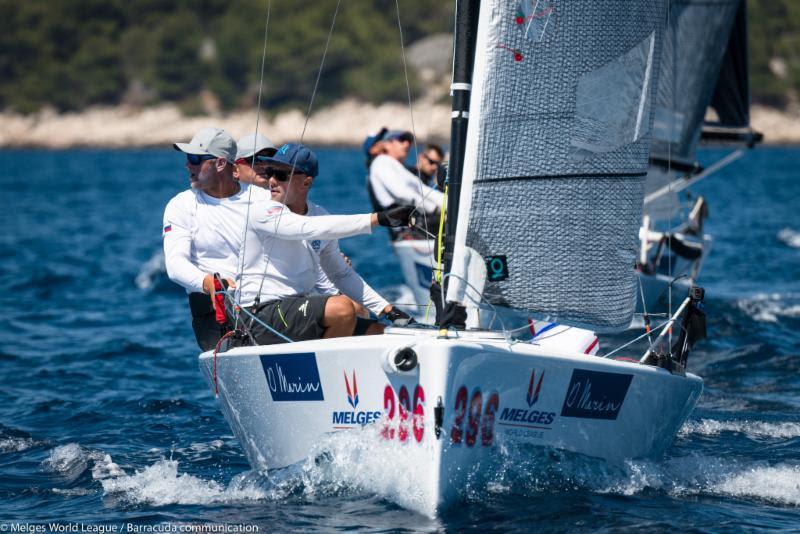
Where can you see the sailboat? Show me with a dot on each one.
(704, 66)
(551, 130)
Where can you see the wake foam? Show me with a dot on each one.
(768, 308)
(790, 237)
(752, 429)
(160, 484)
(361, 462)
(151, 270)
(71, 460)
(779, 484)
(12, 444)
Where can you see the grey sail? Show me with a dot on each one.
(731, 98)
(704, 64)
(556, 154)
(694, 47)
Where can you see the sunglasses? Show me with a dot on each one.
(432, 161)
(197, 159)
(280, 174)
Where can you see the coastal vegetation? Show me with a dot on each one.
(206, 54)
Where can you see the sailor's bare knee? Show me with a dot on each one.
(340, 310)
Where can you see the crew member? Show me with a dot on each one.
(252, 150)
(429, 165)
(391, 184)
(337, 275)
(203, 235)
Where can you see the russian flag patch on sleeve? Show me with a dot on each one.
(167, 228)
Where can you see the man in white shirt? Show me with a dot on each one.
(391, 184)
(337, 275)
(253, 149)
(204, 227)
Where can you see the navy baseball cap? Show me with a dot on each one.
(370, 141)
(404, 135)
(298, 156)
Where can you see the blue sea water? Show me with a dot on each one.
(104, 416)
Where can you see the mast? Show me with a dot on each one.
(466, 27)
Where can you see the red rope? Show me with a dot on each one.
(216, 350)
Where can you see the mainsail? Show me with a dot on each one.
(556, 153)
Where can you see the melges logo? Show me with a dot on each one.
(345, 418)
(352, 396)
(533, 395)
(526, 417)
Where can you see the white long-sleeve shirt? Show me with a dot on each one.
(279, 243)
(335, 274)
(203, 235)
(392, 184)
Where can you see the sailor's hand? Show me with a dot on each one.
(395, 217)
(208, 287)
(398, 317)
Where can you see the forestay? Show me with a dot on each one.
(556, 154)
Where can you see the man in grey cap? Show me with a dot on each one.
(204, 228)
(250, 163)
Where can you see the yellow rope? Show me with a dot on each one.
(439, 247)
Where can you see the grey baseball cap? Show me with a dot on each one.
(253, 144)
(210, 141)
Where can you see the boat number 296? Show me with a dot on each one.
(400, 406)
(474, 419)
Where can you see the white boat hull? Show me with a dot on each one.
(283, 400)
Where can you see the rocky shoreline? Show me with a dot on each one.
(344, 124)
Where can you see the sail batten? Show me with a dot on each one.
(556, 153)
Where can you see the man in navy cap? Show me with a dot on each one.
(391, 184)
(204, 225)
(336, 274)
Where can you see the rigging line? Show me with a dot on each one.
(506, 331)
(646, 317)
(413, 126)
(302, 136)
(672, 38)
(240, 273)
(631, 342)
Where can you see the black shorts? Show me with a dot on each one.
(298, 318)
(207, 331)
